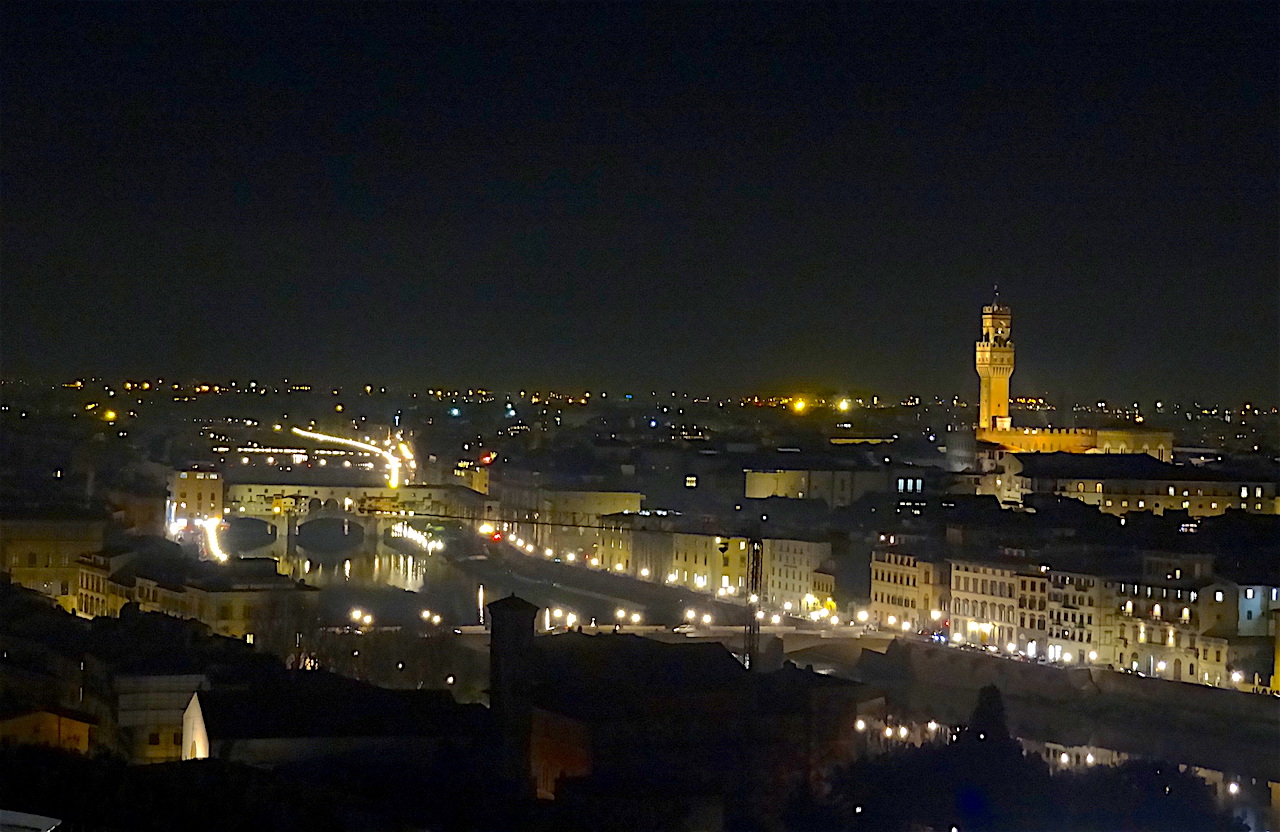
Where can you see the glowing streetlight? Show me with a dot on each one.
(620, 613)
(635, 618)
(860, 725)
(775, 619)
(368, 619)
(862, 616)
(690, 615)
(357, 614)
(706, 619)
(644, 573)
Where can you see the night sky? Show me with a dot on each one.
(721, 197)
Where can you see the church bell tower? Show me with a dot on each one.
(994, 361)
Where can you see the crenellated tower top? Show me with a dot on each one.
(993, 360)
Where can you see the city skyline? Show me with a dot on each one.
(812, 197)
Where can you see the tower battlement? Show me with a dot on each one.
(993, 359)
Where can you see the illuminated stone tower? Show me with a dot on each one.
(994, 361)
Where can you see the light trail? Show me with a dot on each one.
(393, 461)
(211, 536)
(407, 455)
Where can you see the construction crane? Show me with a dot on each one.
(755, 579)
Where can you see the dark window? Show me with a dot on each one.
(177, 738)
(154, 739)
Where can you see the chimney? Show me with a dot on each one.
(510, 664)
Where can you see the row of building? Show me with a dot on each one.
(1164, 611)
(74, 560)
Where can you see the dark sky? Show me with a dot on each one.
(721, 197)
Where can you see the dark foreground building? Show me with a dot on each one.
(653, 724)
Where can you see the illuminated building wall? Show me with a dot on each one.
(570, 521)
(40, 727)
(1074, 617)
(1119, 496)
(43, 554)
(640, 542)
(907, 590)
(195, 496)
(787, 568)
(984, 602)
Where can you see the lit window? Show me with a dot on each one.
(1097, 487)
(690, 482)
(1248, 593)
(1217, 596)
(1244, 491)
